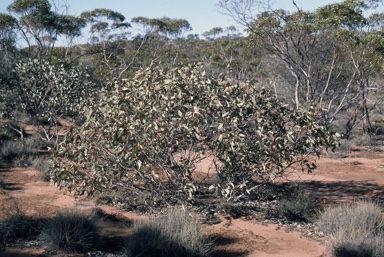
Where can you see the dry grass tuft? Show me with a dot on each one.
(176, 233)
(355, 229)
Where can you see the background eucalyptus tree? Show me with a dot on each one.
(329, 57)
(40, 25)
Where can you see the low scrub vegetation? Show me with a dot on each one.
(25, 153)
(18, 227)
(42, 164)
(297, 206)
(143, 123)
(354, 229)
(12, 149)
(6, 133)
(177, 233)
(72, 231)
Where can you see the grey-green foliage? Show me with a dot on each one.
(153, 130)
(49, 91)
(39, 24)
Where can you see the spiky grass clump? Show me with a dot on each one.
(17, 148)
(355, 229)
(72, 231)
(294, 204)
(18, 227)
(177, 233)
(11, 149)
(298, 206)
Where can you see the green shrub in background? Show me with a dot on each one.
(150, 132)
(177, 233)
(7, 133)
(48, 92)
(355, 229)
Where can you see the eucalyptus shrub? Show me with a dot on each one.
(152, 130)
(49, 91)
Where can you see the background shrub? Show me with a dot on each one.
(371, 247)
(47, 91)
(26, 152)
(361, 140)
(177, 233)
(293, 204)
(12, 149)
(20, 227)
(42, 164)
(7, 133)
(345, 145)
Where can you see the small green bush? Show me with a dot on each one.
(345, 145)
(72, 231)
(378, 127)
(176, 233)
(19, 227)
(22, 162)
(354, 229)
(22, 153)
(37, 142)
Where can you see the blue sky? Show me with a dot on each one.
(201, 14)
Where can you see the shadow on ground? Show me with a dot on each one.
(22, 255)
(225, 242)
(10, 186)
(345, 190)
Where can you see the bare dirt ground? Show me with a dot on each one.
(341, 177)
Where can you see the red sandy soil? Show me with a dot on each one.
(357, 175)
